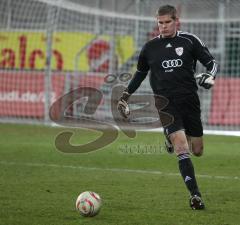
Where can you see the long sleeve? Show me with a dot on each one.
(141, 73)
(204, 56)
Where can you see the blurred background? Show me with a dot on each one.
(50, 47)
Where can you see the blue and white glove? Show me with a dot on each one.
(205, 80)
(122, 105)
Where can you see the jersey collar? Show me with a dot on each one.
(176, 34)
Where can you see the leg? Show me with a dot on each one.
(195, 145)
(176, 136)
(180, 143)
(168, 144)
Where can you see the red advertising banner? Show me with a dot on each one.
(23, 94)
(225, 108)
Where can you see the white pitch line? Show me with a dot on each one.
(118, 170)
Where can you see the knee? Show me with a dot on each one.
(181, 149)
(198, 151)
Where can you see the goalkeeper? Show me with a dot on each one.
(171, 59)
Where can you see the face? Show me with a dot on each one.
(167, 26)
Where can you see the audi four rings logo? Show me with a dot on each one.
(172, 63)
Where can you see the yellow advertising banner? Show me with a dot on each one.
(71, 51)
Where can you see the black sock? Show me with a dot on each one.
(188, 174)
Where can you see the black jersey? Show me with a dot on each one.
(172, 63)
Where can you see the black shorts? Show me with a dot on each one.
(186, 115)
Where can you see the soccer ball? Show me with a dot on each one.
(88, 204)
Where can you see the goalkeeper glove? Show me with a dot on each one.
(205, 80)
(122, 105)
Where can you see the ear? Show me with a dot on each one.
(178, 24)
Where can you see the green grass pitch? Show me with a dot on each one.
(137, 180)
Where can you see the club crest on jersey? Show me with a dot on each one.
(179, 51)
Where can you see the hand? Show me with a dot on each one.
(122, 105)
(205, 80)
